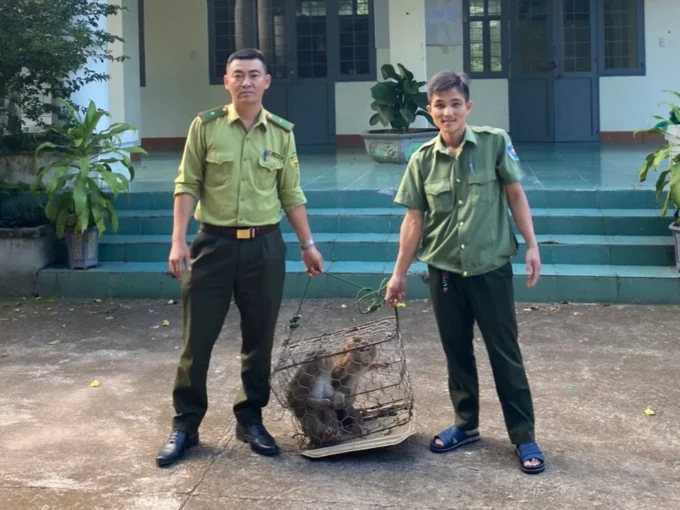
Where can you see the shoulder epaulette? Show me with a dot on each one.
(212, 114)
(487, 129)
(282, 123)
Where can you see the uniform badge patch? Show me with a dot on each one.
(511, 152)
(294, 160)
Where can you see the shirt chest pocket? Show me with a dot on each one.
(218, 167)
(482, 188)
(439, 195)
(266, 171)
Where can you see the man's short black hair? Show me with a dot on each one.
(248, 54)
(447, 80)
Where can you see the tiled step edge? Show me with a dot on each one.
(558, 283)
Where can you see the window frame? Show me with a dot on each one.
(332, 34)
(641, 68)
(505, 42)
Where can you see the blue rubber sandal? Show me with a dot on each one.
(452, 438)
(527, 452)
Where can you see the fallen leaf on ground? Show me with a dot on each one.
(109, 318)
(3, 354)
(166, 323)
(17, 310)
(54, 342)
(94, 384)
(650, 412)
(155, 327)
(172, 302)
(343, 305)
(578, 313)
(97, 301)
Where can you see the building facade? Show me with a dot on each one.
(545, 70)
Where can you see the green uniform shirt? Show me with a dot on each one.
(240, 178)
(467, 228)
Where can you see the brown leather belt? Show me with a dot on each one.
(238, 232)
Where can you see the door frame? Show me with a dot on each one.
(287, 83)
(549, 76)
(556, 53)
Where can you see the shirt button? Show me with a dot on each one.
(462, 246)
(457, 180)
(460, 224)
(460, 202)
(464, 273)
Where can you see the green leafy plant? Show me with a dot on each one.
(46, 50)
(72, 181)
(398, 100)
(670, 177)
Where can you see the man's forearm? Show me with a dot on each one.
(182, 211)
(410, 237)
(521, 213)
(298, 220)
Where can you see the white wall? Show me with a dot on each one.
(628, 102)
(177, 60)
(177, 71)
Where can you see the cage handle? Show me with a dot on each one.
(362, 293)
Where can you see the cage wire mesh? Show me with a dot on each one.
(346, 386)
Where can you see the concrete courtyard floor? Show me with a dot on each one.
(594, 370)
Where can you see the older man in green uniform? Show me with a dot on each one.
(240, 164)
(457, 188)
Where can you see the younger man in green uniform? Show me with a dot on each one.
(240, 164)
(457, 189)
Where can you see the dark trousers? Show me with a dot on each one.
(253, 272)
(488, 299)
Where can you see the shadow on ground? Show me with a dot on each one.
(593, 370)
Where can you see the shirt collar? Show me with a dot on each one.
(232, 115)
(469, 136)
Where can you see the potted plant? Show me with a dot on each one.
(397, 101)
(76, 182)
(670, 177)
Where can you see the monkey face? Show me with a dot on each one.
(362, 352)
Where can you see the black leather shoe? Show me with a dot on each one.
(259, 439)
(175, 446)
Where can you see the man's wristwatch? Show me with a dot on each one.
(307, 244)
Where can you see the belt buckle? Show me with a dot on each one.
(244, 233)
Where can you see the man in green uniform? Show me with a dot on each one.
(457, 188)
(240, 164)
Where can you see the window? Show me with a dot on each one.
(300, 38)
(622, 37)
(484, 37)
(247, 24)
(355, 38)
(311, 40)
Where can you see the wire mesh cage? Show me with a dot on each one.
(346, 390)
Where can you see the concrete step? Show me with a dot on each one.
(371, 247)
(160, 197)
(550, 221)
(559, 282)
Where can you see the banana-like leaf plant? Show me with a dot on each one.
(671, 176)
(398, 100)
(75, 199)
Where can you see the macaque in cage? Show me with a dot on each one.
(323, 390)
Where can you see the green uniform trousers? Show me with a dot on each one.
(488, 299)
(253, 272)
